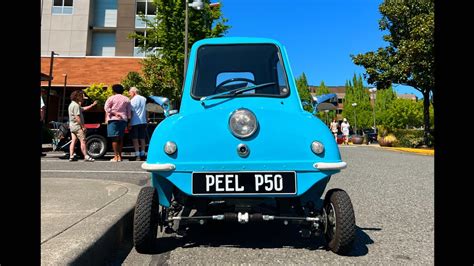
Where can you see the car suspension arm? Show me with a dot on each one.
(245, 218)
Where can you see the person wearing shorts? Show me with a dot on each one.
(118, 113)
(76, 124)
(138, 123)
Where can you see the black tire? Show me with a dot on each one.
(96, 146)
(145, 224)
(340, 234)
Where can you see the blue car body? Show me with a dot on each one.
(205, 142)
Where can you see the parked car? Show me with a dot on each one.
(97, 142)
(242, 149)
(370, 135)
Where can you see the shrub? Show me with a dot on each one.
(97, 92)
(410, 138)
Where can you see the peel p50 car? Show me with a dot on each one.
(242, 149)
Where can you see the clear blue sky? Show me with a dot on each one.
(319, 35)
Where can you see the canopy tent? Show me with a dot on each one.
(325, 102)
(45, 77)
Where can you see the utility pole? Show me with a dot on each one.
(49, 85)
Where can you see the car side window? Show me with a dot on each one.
(281, 78)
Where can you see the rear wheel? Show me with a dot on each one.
(340, 221)
(96, 146)
(145, 224)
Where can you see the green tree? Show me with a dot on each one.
(409, 58)
(133, 79)
(167, 66)
(383, 102)
(359, 115)
(322, 89)
(303, 92)
(404, 113)
(100, 93)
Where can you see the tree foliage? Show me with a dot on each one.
(163, 72)
(360, 115)
(133, 79)
(409, 58)
(100, 93)
(404, 113)
(303, 92)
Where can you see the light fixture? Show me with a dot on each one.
(243, 123)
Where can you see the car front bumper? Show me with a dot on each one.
(165, 167)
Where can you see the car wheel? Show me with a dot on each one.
(340, 221)
(96, 146)
(145, 224)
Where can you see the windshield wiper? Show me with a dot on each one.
(235, 91)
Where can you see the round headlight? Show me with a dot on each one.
(317, 147)
(243, 123)
(170, 147)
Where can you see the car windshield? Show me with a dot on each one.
(222, 68)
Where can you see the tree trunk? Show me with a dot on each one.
(426, 115)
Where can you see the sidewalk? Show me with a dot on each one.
(83, 221)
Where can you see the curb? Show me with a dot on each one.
(101, 251)
(101, 235)
(411, 150)
(428, 152)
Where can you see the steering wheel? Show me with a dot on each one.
(219, 87)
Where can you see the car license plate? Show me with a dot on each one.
(244, 183)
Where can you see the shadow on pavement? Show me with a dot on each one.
(255, 236)
(361, 242)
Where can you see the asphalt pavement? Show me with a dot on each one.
(87, 216)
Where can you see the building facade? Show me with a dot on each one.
(93, 27)
(91, 45)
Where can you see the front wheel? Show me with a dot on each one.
(340, 221)
(145, 224)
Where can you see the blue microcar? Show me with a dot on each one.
(242, 149)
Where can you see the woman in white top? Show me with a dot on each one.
(345, 130)
(334, 126)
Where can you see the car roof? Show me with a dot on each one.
(236, 40)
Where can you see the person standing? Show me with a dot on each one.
(334, 128)
(138, 122)
(76, 124)
(345, 130)
(42, 112)
(118, 113)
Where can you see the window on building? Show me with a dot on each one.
(103, 44)
(141, 8)
(150, 8)
(144, 7)
(62, 7)
(137, 50)
(339, 100)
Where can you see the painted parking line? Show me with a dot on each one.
(92, 171)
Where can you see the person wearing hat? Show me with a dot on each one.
(345, 130)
